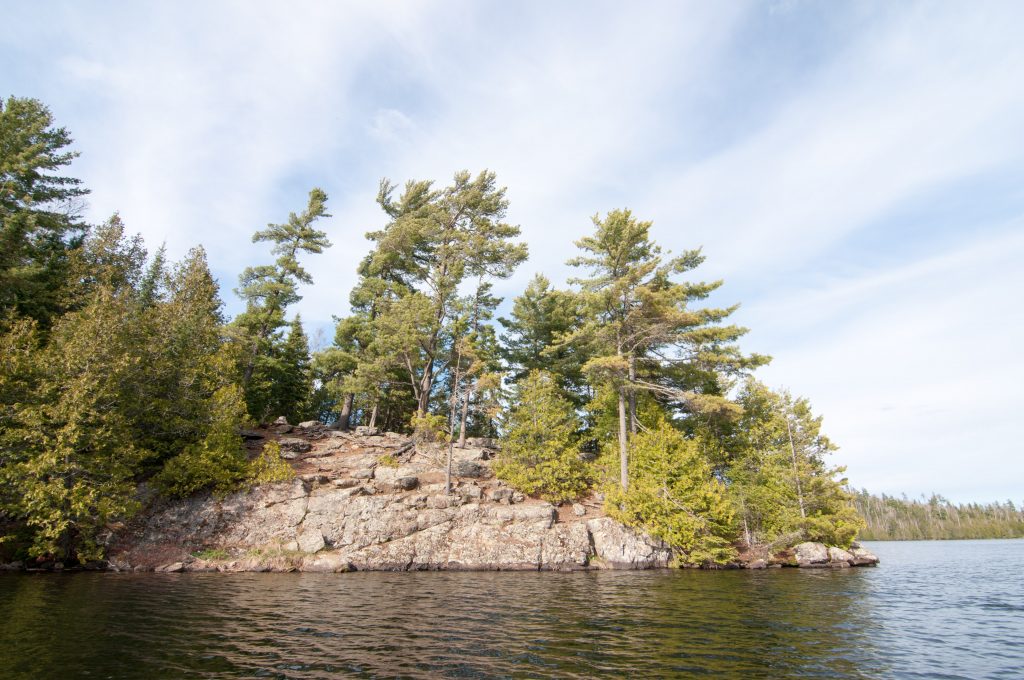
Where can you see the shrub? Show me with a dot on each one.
(539, 452)
(218, 462)
(674, 497)
(269, 466)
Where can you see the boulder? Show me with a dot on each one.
(311, 540)
(281, 426)
(470, 468)
(294, 445)
(838, 557)
(578, 509)
(756, 564)
(619, 547)
(482, 443)
(861, 557)
(311, 425)
(407, 483)
(367, 431)
(172, 568)
(501, 494)
(811, 554)
(251, 435)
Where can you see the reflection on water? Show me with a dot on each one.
(922, 613)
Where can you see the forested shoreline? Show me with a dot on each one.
(122, 379)
(888, 518)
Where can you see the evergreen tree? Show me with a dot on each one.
(434, 241)
(783, 490)
(293, 386)
(540, 452)
(39, 210)
(268, 290)
(645, 335)
(673, 496)
(538, 337)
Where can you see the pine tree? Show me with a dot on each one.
(434, 241)
(540, 453)
(268, 290)
(39, 210)
(644, 333)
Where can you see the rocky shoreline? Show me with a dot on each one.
(368, 501)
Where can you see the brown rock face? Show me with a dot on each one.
(375, 502)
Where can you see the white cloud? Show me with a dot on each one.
(916, 368)
(201, 122)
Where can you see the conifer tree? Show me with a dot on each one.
(434, 241)
(673, 496)
(537, 337)
(540, 453)
(781, 485)
(268, 290)
(39, 209)
(293, 386)
(644, 332)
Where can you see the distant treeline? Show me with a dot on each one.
(902, 519)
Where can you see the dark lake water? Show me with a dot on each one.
(930, 610)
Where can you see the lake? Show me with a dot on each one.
(930, 610)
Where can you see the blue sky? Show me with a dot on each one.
(853, 171)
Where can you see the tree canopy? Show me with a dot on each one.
(121, 376)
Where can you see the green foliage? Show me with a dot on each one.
(673, 496)
(293, 382)
(538, 337)
(889, 518)
(39, 221)
(540, 452)
(779, 481)
(211, 554)
(269, 466)
(642, 332)
(388, 461)
(429, 427)
(218, 462)
(268, 290)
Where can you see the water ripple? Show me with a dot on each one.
(930, 611)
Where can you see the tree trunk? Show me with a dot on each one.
(373, 415)
(426, 384)
(346, 412)
(796, 471)
(465, 419)
(623, 452)
(632, 395)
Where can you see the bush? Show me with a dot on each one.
(428, 428)
(269, 466)
(219, 461)
(674, 497)
(539, 452)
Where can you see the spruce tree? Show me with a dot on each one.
(293, 385)
(39, 210)
(538, 336)
(539, 452)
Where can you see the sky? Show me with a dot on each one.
(854, 172)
